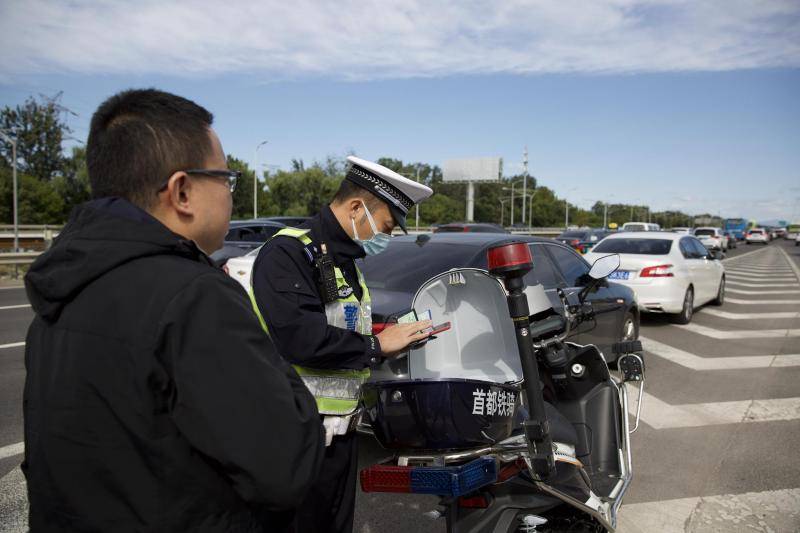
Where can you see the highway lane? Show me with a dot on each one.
(682, 469)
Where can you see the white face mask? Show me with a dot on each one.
(379, 240)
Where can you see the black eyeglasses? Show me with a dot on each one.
(231, 175)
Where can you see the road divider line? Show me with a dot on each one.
(740, 334)
(739, 257)
(12, 345)
(761, 302)
(759, 278)
(14, 307)
(12, 288)
(700, 363)
(748, 316)
(737, 291)
(661, 415)
(749, 511)
(762, 271)
(12, 449)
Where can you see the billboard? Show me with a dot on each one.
(476, 169)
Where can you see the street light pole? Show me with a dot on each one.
(605, 215)
(416, 226)
(13, 143)
(255, 178)
(566, 215)
(524, 182)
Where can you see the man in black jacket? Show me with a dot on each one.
(153, 399)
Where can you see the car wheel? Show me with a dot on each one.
(720, 299)
(685, 316)
(630, 328)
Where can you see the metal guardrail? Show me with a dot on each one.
(20, 258)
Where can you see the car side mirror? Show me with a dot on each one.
(603, 267)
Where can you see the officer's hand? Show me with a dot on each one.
(397, 337)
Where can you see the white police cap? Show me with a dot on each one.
(399, 192)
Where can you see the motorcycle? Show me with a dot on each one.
(511, 425)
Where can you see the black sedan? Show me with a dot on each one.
(394, 276)
(244, 236)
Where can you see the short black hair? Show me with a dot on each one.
(139, 137)
(348, 190)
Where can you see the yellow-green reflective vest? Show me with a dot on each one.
(337, 391)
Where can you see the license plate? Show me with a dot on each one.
(619, 274)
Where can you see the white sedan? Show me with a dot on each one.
(757, 235)
(670, 273)
(712, 238)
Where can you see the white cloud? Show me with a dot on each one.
(395, 39)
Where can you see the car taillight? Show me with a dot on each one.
(575, 242)
(658, 271)
(377, 327)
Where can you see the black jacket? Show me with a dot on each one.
(285, 288)
(153, 399)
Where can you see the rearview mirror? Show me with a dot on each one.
(603, 267)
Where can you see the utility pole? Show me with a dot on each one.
(566, 214)
(512, 201)
(255, 178)
(524, 181)
(605, 215)
(13, 143)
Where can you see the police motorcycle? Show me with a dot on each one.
(513, 427)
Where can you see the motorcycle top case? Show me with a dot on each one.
(460, 390)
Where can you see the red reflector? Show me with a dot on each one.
(659, 271)
(473, 502)
(386, 479)
(510, 470)
(509, 255)
(377, 327)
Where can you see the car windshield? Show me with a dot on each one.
(572, 235)
(701, 232)
(405, 265)
(450, 229)
(634, 246)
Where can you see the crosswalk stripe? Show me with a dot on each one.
(737, 291)
(696, 362)
(752, 270)
(748, 316)
(761, 302)
(750, 511)
(661, 415)
(740, 284)
(12, 450)
(12, 345)
(740, 334)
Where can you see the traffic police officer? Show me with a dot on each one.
(314, 303)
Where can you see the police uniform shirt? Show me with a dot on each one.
(285, 288)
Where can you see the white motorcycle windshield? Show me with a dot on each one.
(481, 342)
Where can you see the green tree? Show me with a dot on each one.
(39, 131)
(39, 202)
(73, 185)
(243, 195)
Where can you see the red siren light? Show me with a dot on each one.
(505, 258)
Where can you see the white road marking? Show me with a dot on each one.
(740, 334)
(761, 270)
(14, 307)
(12, 288)
(661, 415)
(792, 264)
(12, 345)
(12, 449)
(748, 316)
(696, 362)
(742, 256)
(759, 278)
(737, 291)
(772, 510)
(761, 302)
(741, 284)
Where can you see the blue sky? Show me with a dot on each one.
(689, 105)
